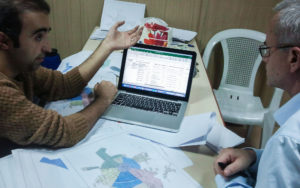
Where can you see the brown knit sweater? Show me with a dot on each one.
(24, 122)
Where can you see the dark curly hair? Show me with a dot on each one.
(10, 12)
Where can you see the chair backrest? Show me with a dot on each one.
(241, 57)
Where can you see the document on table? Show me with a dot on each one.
(108, 71)
(8, 172)
(115, 11)
(116, 160)
(98, 34)
(220, 137)
(193, 131)
(183, 35)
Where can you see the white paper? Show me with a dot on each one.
(74, 60)
(184, 35)
(98, 34)
(41, 174)
(108, 71)
(220, 137)
(106, 128)
(8, 173)
(124, 160)
(174, 155)
(193, 131)
(114, 11)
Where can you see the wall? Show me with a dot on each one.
(74, 20)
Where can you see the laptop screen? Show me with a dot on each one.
(160, 71)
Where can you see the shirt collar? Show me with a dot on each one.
(287, 110)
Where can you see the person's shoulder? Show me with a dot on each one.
(291, 127)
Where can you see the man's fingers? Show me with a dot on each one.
(135, 37)
(217, 169)
(133, 30)
(233, 168)
(118, 24)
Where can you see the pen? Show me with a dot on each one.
(241, 173)
(222, 165)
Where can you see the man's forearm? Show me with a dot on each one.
(89, 68)
(94, 111)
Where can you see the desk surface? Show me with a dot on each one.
(201, 100)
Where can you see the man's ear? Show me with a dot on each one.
(294, 59)
(4, 41)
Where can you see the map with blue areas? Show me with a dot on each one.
(120, 171)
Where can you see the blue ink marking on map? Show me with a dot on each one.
(114, 68)
(126, 180)
(130, 163)
(55, 162)
(68, 67)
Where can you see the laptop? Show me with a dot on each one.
(154, 87)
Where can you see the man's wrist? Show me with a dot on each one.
(102, 101)
(252, 155)
(106, 47)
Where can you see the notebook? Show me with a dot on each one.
(154, 87)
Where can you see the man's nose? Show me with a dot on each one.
(47, 47)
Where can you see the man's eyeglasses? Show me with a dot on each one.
(264, 50)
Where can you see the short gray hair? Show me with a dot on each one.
(288, 26)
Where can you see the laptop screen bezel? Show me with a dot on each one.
(154, 94)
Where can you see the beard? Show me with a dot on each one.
(26, 64)
(34, 65)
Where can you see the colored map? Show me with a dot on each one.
(70, 106)
(83, 99)
(120, 171)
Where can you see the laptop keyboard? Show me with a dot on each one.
(148, 104)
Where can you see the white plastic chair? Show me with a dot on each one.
(235, 94)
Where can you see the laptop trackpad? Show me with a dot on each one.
(131, 114)
(138, 115)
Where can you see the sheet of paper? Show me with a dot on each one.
(74, 60)
(193, 131)
(109, 70)
(220, 137)
(44, 169)
(184, 35)
(106, 128)
(102, 75)
(117, 160)
(98, 34)
(127, 162)
(114, 11)
(116, 61)
(174, 155)
(8, 172)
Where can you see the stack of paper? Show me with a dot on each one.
(183, 35)
(111, 160)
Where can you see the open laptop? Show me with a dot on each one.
(154, 87)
